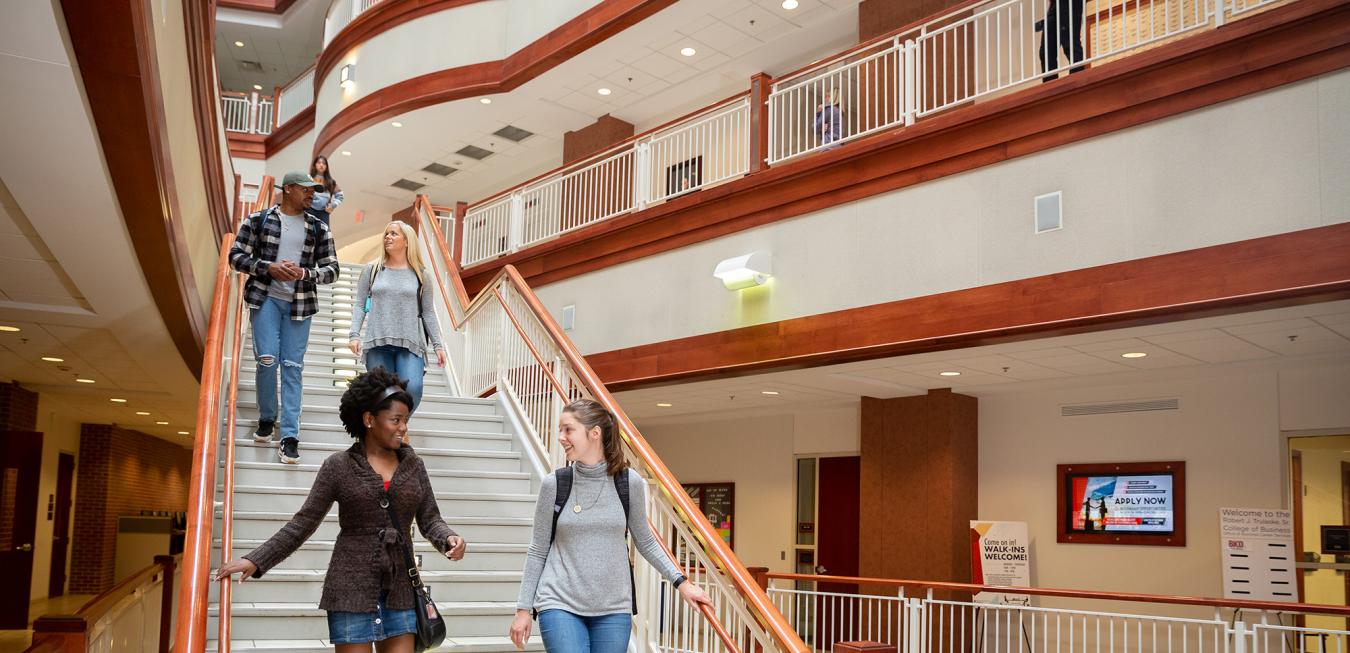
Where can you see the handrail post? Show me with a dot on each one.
(1239, 636)
(642, 171)
(515, 223)
(909, 81)
(761, 118)
(1218, 12)
(457, 247)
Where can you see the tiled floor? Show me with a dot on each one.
(15, 641)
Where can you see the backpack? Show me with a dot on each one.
(564, 479)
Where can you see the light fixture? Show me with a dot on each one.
(603, 91)
(347, 76)
(162, 423)
(771, 393)
(53, 359)
(9, 329)
(84, 380)
(118, 400)
(688, 51)
(238, 44)
(485, 100)
(257, 87)
(789, 4)
(142, 412)
(346, 153)
(664, 405)
(184, 433)
(744, 271)
(949, 373)
(1133, 354)
(396, 123)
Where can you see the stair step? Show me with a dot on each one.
(307, 621)
(300, 586)
(500, 644)
(316, 554)
(432, 438)
(452, 504)
(303, 475)
(425, 417)
(262, 525)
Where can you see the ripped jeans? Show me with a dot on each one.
(277, 336)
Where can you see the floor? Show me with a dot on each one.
(15, 641)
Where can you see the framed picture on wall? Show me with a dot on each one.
(684, 176)
(718, 503)
(1122, 503)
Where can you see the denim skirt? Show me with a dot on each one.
(365, 627)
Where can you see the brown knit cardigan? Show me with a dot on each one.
(366, 557)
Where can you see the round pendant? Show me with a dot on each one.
(576, 508)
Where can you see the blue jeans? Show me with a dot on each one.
(407, 365)
(277, 336)
(564, 632)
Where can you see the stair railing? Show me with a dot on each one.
(512, 346)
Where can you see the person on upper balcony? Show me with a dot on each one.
(577, 578)
(395, 306)
(1062, 27)
(286, 253)
(327, 198)
(829, 118)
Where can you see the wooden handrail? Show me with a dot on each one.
(227, 507)
(69, 632)
(1236, 604)
(708, 613)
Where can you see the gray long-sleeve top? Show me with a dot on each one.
(393, 311)
(586, 570)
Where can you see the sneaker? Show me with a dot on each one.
(264, 432)
(289, 451)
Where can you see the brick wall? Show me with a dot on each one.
(18, 408)
(121, 472)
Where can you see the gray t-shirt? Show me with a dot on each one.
(289, 249)
(585, 572)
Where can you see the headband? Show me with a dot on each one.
(391, 390)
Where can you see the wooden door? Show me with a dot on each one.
(837, 547)
(65, 479)
(20, 467)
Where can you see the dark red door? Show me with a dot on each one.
(837, 547)
(20, 465)
(65, 478)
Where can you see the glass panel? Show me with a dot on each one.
(9, 487)
(806, 502)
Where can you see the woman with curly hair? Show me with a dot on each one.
(577, 577)
(365, 602)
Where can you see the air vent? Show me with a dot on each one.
(407, 185)
(1049, 212)
(513, 133)
(474, 152)
(249, 66)
(1120, 407)
(439, 169)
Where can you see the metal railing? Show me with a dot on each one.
(509, 344)
(932, 617)
(704, 149)
(247, 113)
(341, 13)
(295, 97)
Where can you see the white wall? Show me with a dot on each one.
(59, 435)
(296, 156)
(757, 454)
(1188, 181)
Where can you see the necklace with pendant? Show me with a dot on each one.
(576, 508)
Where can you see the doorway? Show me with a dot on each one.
(1319, 474)
(65, 481)
(827, 541)
(20, 468)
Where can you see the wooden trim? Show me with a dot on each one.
(1279, 46)
(570, 39)
(457, 247)
(246, 146)
(115, 55)
(266, 6)
(299, 125)
(1294, 268)
(760, 87)
(199, 23)
(1174, 468)
(70, 632)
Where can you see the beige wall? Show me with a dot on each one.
(59, 435)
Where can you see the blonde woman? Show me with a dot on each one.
(394, 303)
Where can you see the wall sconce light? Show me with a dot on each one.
(745, 271)
(347, 75)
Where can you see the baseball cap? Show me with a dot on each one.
(301, 178)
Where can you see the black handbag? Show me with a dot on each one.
(430, 624)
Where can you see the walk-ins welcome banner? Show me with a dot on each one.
(1000, 554)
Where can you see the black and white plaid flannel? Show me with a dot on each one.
(255, 248)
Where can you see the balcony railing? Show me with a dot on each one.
(973, 52)
(341, 13)
(247, 113)
(295, 97)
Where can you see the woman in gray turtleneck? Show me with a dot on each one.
(580, 584)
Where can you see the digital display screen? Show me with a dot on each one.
(1121, 504)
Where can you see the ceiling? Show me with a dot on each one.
(69, 276)
(651, 82)
(275, 50)
(1311, 334)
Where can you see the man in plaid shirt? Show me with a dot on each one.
(286, 254)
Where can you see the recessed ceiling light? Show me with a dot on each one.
(53, 359)
(789, 4)
(1133, 354)
(118, 400)
(949, 373)
(162, 423)
(664, 405)
(771, 393)
(688, 52)
(8, 328)
(346, 153)
(142, 412)
(257, 87)
(603, 91)
(485, 100)
(84, 380)
(396, 123)
(238, 44)
(184, 433)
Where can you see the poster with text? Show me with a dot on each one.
(1121, 504)
(1000, 554)
(1258, 554)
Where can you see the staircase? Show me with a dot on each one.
(482, 481)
